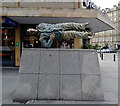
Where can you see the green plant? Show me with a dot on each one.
(88, 46)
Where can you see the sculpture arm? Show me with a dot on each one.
(46, 43)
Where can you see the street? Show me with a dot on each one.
(109, 73)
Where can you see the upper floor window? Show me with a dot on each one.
(111, 14)
(93, 39)
(110, 31)
(111, 38)
(119, 38)
(99, 39)
(107, 39)
(115, 13)
(103, 39)
(114, 38)
(96, 40)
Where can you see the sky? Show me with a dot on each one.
(106, 3)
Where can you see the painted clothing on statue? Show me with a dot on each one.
(44, 27)
(61, 31)
(65, 35)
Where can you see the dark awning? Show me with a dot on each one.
(96, 24)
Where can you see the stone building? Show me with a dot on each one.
(110, 37)
(19, 15)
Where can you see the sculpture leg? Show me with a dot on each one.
(67, 35)
(74, 26)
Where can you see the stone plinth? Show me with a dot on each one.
(59, 74)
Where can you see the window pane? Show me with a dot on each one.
(103, 39)
(99, 39)
(119, 38)
(96, 40)
(114, 38)
(106, 39)
(110, 38)
(110, 31)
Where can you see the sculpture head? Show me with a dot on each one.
(41, 26)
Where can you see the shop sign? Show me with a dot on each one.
(10, 22)
(17, 44)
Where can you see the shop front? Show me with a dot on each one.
(8, 42)
(20, 38)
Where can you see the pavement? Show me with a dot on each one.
(109, 74)
(9, 83)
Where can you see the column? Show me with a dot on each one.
(90, 41)
(78, 43)
(17, 46)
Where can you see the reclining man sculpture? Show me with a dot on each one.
(59, 31)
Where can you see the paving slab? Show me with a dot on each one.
(48, 87)
(70, 87)
(89, 63)
(69, 62)
(48, 57)
(30, 62)
(27, 88)
(91, 87)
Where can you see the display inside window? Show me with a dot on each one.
(8, 46)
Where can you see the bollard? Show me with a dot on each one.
(114, 57)
(102, 56)
(100, 53)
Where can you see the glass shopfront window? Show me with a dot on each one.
(8, 45)
(29, 40)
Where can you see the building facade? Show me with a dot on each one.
(110, 37)
(119, 24)
(20, 15)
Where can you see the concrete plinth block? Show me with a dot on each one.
(92, 88)
(48, 87)
(27, 88)
(59, 74)
(30, 62)
(49, 63)
(70, 87)
(69, 62)
(89, 63)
